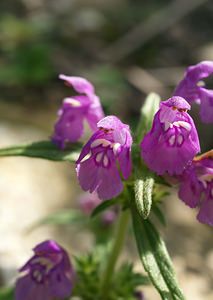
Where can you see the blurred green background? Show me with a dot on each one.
(126, 48)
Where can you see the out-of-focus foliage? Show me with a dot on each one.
(43, 149)
(124, 283)
(155, 258)
(41, 39)
(27, 55)
(7, 293)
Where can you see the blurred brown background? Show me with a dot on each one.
(127, 48)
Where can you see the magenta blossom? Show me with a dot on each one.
(139, 295)
(48, 275)
(76, 109)
(89, 201)
(196, 187)
(105, 154)
(193, 89)
(109, 216)
(172, 142)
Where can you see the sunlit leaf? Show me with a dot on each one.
(148, 111)
(138, 189)
(103, 206)
(7, 293)
(155, 258)
(143, 196)
(68, 217)
(157, 211)
(43, 149)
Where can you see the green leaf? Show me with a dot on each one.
(143, 196)
(161, 180)
(125, 282)
(147, 196)
(43, 149)
(7, 293)
(157, 211)
(148, 110)
(155, 258)
(138, 189)
(88, 271)
(69, 217)
(103, 206)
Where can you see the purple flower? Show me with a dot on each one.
(97, 165)
(172, 142)
(74, 110)
(109, 216)
(47, 275)
(139, 295)
(88, 202)
(192, 89)
(196, 187)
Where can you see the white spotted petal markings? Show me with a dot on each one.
(100, 142)
(206, 180)
(39, 273)
(73, 102)
(102, 157)
(177, 138)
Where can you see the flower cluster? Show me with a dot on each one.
(168, 148)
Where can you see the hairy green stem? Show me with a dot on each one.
(115, 252)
